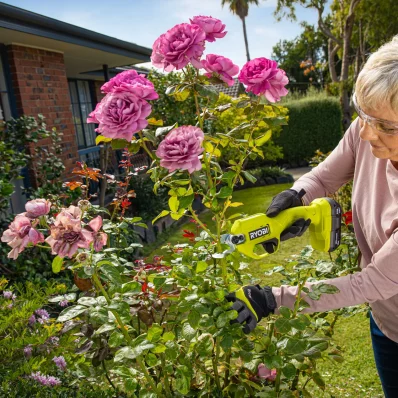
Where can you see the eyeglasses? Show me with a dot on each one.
(381, 125)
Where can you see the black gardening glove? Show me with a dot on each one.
(285, 200)
(252, 304)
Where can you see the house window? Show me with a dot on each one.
(5, 111)
(82, 105)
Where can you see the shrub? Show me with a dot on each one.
(314, 123)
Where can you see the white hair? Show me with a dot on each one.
(377, 83)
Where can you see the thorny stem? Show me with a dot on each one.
(214, 361)
(278, 380)
(195, 217)
(107, 376)
(165, 377)
(228, 365)
(145, 147)
(123, 329)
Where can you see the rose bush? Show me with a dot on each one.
(162, 327)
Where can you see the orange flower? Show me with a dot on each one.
(72, 185)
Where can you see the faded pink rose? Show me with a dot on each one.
(262, 77)
(67, 234)
(213, 27)
(177, 47)
(99, 238)
(181, 149)
(222, 66)
(37, 207)
(19, 234)
(120, 115)
(130, 80)
(265, 373)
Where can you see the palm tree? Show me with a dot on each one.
(241, 9)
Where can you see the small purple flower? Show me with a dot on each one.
(7, 295)
(53, 340)
(9, 306)
(44, 316)
(60, 362)
(64, 303)
(49, 381)
(28, 351)
(32, 320)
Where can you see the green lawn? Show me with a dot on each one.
(356, 376)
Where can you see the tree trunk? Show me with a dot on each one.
(246, 41)
(344, 97)
(332, 50)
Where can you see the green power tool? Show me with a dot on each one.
(258, 229)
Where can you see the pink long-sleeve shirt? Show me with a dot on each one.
(375, 220)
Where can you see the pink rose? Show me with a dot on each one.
(265, 373)
(213, 27)
(222, 66)
(37, 207)
(262, 77)
(130, 80)
(19, 234)
(181, 149)
(99, 238)
(120, 115)
(67, 234)
(180, 45)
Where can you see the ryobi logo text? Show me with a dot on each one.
(259, 232)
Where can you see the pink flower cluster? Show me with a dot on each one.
(123, 111)
(22, 230)
(181, 149)
(60, 362)
(265, 373)
(49, 381)
(67, 233)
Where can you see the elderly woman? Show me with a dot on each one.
(368, 154)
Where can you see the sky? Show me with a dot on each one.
(142, 21)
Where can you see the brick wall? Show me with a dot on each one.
(41, 86)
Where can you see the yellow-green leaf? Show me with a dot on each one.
(181, 95)
(162, 214)
(235, 204)
(101, 138)
(57, 264)
(173, 204)
(264, 138)
(153, 122)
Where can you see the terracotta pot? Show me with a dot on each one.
(83, 284)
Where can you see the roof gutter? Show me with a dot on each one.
(15, 18)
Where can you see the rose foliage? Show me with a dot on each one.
(161, 328)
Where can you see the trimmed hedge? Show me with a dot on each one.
(314, 123)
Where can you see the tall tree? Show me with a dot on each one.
(339, 40)
(241, 9)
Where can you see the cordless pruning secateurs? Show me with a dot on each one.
(325, 228)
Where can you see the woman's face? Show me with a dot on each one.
(383, 146)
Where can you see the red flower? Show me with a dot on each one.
(189, 234)
(348, 217)
(125, 203)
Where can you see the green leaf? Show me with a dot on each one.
(205, 345)
(173, 204)
(209, 92)
(247, 356)
(154, 333)
(296, 346)
(101, 138)
(151, 359)
(132, 353)
(168, 336)
(249, 177)
(116, 339)
(188, 332)
(285, 312)
(194, 318)
(57, 264)
(226, 317)
(316, 349)
(297, 324)
(225, 192)
(241, 127)
(105, 328)
(132, 286)
(171, 89)
(87, 301)
(162, 214)
(159, 349)
(318, 380)
(181, 95)
(119, 143)
(264, 138)
(111, 273)
(227, 342)
(289, 371)
(283, 325)
(185, 201)
(201, 266)
(243, 103)
(70, 313)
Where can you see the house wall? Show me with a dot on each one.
(40, 86)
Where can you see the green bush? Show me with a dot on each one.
(314, 123)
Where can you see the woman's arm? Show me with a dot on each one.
(335, 171)
(377, 281)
